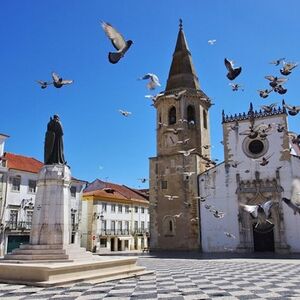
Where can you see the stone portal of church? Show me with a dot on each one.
(263, 240)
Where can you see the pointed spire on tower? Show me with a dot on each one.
(182, 73)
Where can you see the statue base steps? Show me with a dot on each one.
(49, 273)
(49, 252)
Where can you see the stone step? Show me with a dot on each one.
(37, 251)
(40, 247)
(36, 256)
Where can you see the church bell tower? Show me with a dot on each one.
(183, 152)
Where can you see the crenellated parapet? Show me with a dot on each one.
(253, 114)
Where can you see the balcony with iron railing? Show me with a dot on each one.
(114, 232)
(18, 225)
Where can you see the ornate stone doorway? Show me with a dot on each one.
(263, 241)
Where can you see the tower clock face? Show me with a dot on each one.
(171, 139)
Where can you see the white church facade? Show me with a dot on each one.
(242, 179)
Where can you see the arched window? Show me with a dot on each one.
(170, 226)
(190, 113)
(205, 119)
(172, 115)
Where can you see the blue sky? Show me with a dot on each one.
(38, 37)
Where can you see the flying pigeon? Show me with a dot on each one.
(217, 214)
(280, 89)
(268, 108)
(251, 133)
(201, 198)
(187, 152)
(235, 164)
(118, 42)
(176, 95)
(280, 128)
(235, 126)
(261, 212)
(178, 216)
(264, 93)
(183, 142)
(232, 72)
(43, 84)
(230, 235)
(292, 110)
(153, 97)
(235, 87)
(143, 180)
(206, 146)
(212, 42)
(295, 138)
(124, 112)
(294, 207)
(171, 197)
(188, 174)
(207, 206)
(265, 160)
(58, 82)
(277, 62)
(187, 204)
(287, 68)
(174, 130)
(153, 81)
(274, 81)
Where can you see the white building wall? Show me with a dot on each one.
(220, 185)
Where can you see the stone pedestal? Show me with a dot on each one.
(51, 218)
(49, 258)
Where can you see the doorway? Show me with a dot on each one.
(14, 241)
(263, 240)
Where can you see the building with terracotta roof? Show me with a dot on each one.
(18, 186)
(114, 217)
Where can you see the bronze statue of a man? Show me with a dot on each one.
(54, 147)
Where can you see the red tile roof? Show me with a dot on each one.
(22, 163)
(112, 190)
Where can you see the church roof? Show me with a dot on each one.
(182, 73)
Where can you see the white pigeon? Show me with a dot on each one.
(212, 42)
(230, 235)
(188, 174)
(178, 216)
(176, 95)
(171, 197)
(153, 80)
(183, 142)
(261, 212)
(124, 112)
(58, 82)
(118, 42)
(187, 152)
(174, 130)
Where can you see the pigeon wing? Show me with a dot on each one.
(271, 78)
(55, 77)
(252, 209)
(228, 65)
(116, 38)
(267, 206)
(66, 81)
